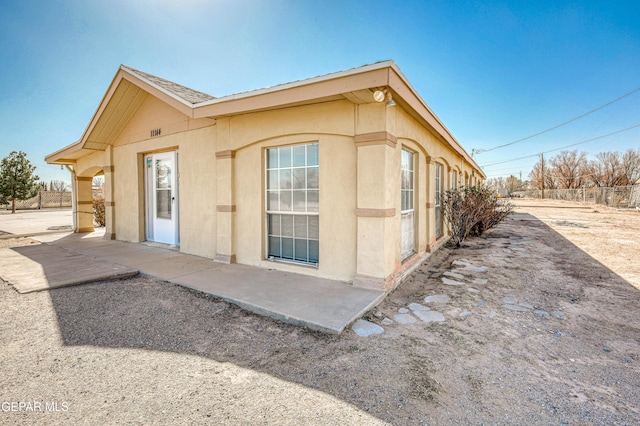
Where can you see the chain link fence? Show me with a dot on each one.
(624, 197)
(44, 200)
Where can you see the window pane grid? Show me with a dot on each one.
(292, 203)
(407, 181)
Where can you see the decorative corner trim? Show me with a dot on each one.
(374, 283)
(376, 212)
(228, 153)
(226, 208)
(225, 258)
(376, 138)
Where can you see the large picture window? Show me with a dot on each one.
(292, 200)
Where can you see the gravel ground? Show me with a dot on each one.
(144, 351)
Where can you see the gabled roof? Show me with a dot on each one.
(130, 86)
(178, 90)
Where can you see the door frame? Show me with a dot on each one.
(150, 196)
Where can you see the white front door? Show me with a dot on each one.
(162, 197)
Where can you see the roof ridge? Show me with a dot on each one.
(185, 93)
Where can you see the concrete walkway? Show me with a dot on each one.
(44, 267)
(319, 304)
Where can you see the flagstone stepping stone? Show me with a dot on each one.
(418, 307)
(404, 318)
(387, 321)
(454, 275)
(460, 262)
(366, 328)
(473, 268)
(479, 281)
(437, 298)
(516, 308)
(429, 316)
(465, 314)
(447, 281)
(473, 290)
(403, 310)
(509, 300)
(542, 314)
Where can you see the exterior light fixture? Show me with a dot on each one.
(390, 101)
(379, 95)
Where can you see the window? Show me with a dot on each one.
(438, 184)
(292, 203)
(454, 179)
(407, 190)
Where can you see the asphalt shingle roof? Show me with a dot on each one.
(183, 92)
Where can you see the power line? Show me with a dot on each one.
(481, 151)
(563, 147)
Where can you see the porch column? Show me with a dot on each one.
(109, 202)
(84, 204)
(377, 214)
(225, 208)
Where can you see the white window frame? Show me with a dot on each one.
(407, 201)
(297, 204)
(438, 201)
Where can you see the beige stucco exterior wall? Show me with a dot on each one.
(196, 183)
(332, 126)
(222, 182)
(196, 180)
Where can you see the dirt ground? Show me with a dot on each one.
(143, 351)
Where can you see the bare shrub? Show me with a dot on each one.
(491, 210)
(98, 211)
(470, 211)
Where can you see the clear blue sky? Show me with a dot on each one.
(493, 71)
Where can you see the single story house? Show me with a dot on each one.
(337, 176)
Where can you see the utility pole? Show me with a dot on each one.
(542, 167)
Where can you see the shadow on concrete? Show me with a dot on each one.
(42, 267)
(373, 374)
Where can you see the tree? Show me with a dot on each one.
(568, 168)
(631, 166)
(513, 184)
(58, 186)
(537, 177)
(17, 180)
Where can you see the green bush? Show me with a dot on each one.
(470, 211)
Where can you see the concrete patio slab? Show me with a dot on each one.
(316, 303)
(43, 267)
